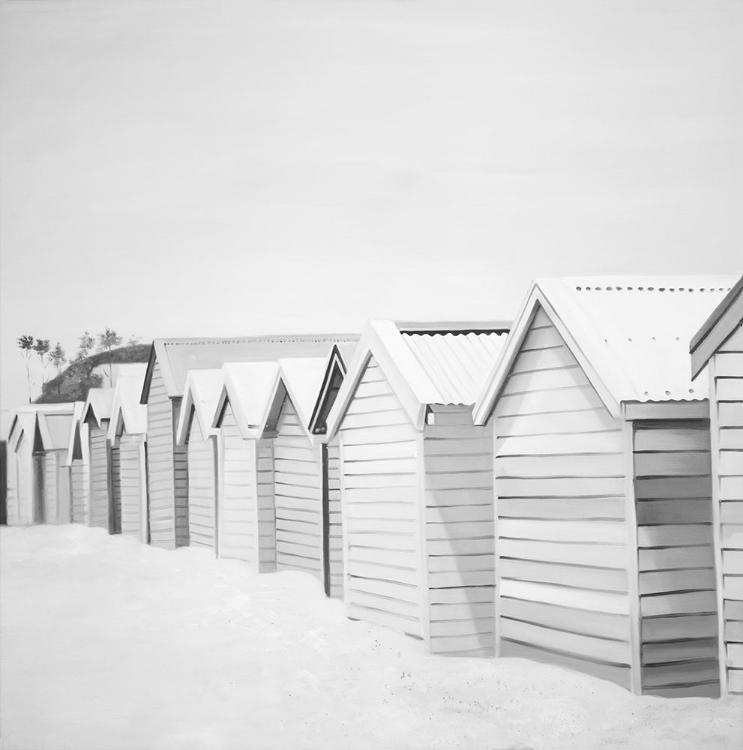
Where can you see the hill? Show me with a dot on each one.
(92, 372)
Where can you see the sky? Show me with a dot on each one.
(227, 167)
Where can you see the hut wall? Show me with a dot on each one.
(131, 484)
(180, 473)
(238, 537)
(298, 496)
(266, 506)
(560, 488)
(24, 473)
(460, 545)
(727, 421)
(383, 566)
(99, 478)
(676, 564)
(116, 479)
(50, 500)
(80, 490)
(335, 520)
(12, 518)
(202, 488)
(160, 464)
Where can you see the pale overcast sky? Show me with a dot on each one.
(205, 167)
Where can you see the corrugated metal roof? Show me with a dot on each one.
(178, 356)
(635, 331)
(457, 364)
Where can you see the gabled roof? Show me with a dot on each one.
(200, 395)
(248, 388)
(127, 413)
(33, 418)
(628, 334)
(73, 437)
(24, 421)
(335, 373)
(424, 368)
(54, 425)
(98, 405)
(725, 319)
(300, 379)
(177, 356)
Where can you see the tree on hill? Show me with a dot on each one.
(26, 344)
(41, 347)
(57, 357)
(108, 341)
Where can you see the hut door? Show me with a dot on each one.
(678, 603)
(38, 488)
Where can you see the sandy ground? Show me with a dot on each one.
(106, 643)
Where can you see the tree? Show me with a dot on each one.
(41, 347)
(108, 341)
(87, 342)
(26, 343)
(133, 341)
(57, 357)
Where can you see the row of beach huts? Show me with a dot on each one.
(568, 488)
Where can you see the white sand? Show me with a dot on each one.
(106, 643)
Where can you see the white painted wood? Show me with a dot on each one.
(368, 558)
(99, 479)
(202, 488)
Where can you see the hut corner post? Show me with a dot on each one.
(633, 568)
(714, 418)
(423, 538)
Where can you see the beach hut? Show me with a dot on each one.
(25, 478)
(416, 483)
(97, 416)
(77, 460)
(38, 490)
(718, 348)
(300, 529)
(127, 440)
(169, 363)
(200, 396)
(245, 504)
(604, 549)
(335, 373)
(53, 426)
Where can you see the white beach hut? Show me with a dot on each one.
(77, 459)
(97, 416)
(200, 395)
(604, 543)
(127, 441)
(718, 348)
(416, 482)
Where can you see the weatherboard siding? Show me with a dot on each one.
(297, 495)
(160, 464)
(99, 487)
(202, 488)
(131, 484)
(115, 522)
(266, 506)
(335, 521)
(727, 420)
(238, 537)
(460, 545)
(11, 496)
(51, 501)
(384, 577)
(80, 491)
(561, 537)
(24, 475)
(180, 469)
